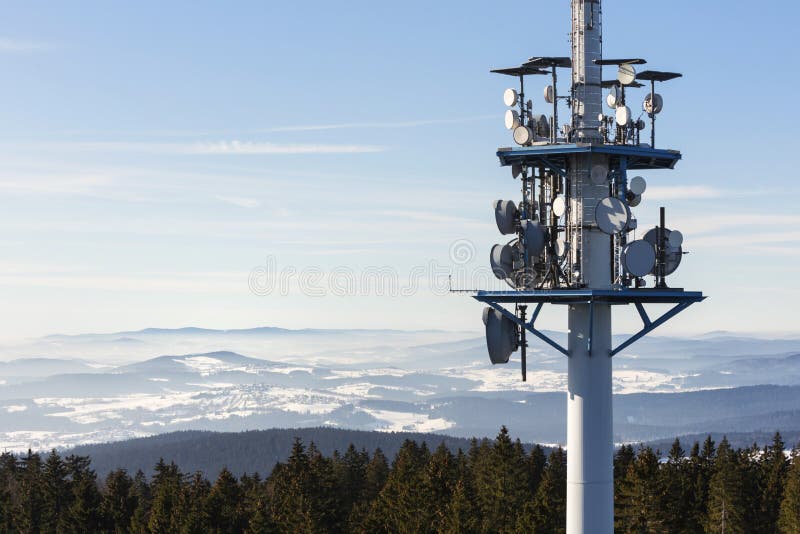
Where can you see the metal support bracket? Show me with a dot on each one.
(529, 326)
(649, 325)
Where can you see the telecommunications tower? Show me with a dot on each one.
(573, 240)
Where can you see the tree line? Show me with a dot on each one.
(493, 486)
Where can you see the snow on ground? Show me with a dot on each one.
(408, 422)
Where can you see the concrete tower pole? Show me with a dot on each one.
(590, 475)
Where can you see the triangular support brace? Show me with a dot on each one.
(649, 325)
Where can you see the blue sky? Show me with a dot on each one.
(156, 155)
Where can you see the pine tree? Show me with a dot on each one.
(140, 492)
(639, 499)
(55, 492)
(402, 505)
(27, 514)
(83, 513)
(550, 502)
(118, 502)
(676, 492)
(726, 500)
(774, 467)
(193, 507)
(439, 481)
(223, 505)
(789, 516)
(459, 516)
(166, 489)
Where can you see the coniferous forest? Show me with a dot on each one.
(494, 486)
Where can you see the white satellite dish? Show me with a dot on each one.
(613, 97)
(612, 215)
(599, 174)
(638, 258)
(505, 215)
(637, 185)
(623, 115)
(502, 261)
(635, 201)
(672, 255)
(559, 206)
(510, 97)
(549, 94)
(523, 135)
(516, 170)
(675, 239)
(534, 238)
(501, 336)
(512, 119)
(626, 74)
(653, 104)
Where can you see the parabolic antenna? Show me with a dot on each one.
(501, 335)
(516, 170)
(523, 135)
(672, 255)
(635, 201)
(543, 126)
(502, 261)
(505, 214)
(612, 215)
(613, 97)
(599, 174)
(511, 119)
(534, 238)
(510, 97)
(559, 206)
(623, 115)
(638, 258)
(626, 74)
(675, 239)
(637, 185)
(653, 103)
(549, 94)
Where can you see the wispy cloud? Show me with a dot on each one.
(251, 147)
(356, 125)
(682, 192)
(224, 148)
(240, 201)
(16, 45)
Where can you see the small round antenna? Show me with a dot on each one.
(638, 258)
(675, 239)
(512, 119)
(653, 104)
(559, 206)
(635, 201)
(534, 238)
(613, 97)
(501, 336)
(599, 174)
(523, 135)
(510, 97)
(506, 215)
(502, 261)
(626, 74)
(623, 115)
(637, 186)
(549, 94)
(672, 255)
(612, 215)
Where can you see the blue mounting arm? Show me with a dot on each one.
(530, 325)
(649, 325)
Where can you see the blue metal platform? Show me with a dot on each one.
(638, 297)
(555, 156)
